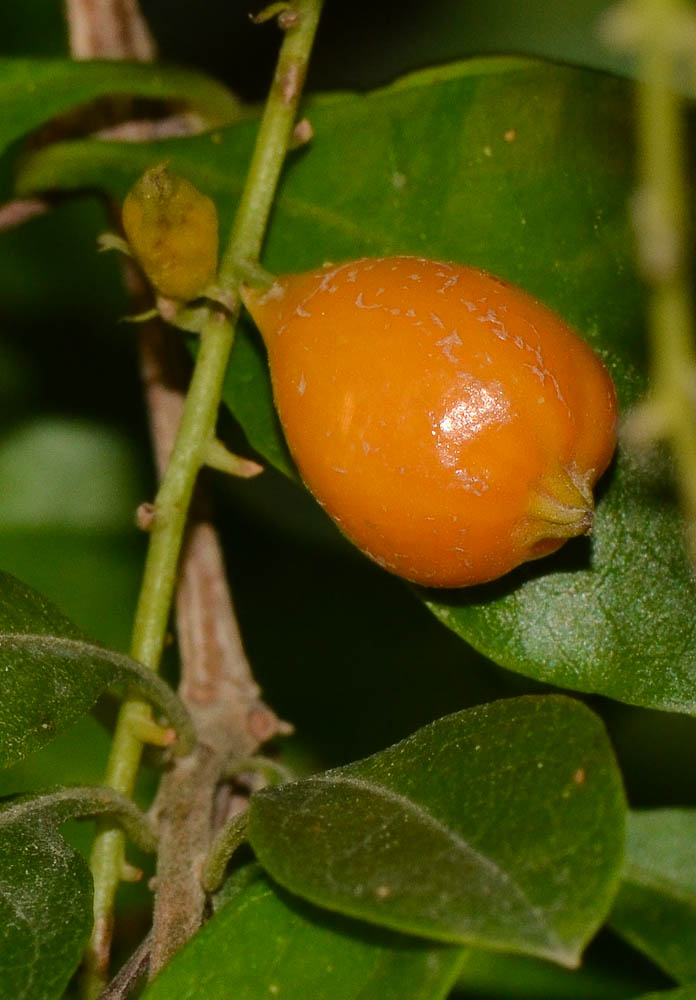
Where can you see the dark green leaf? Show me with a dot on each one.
(686, 993)
(51, 674)
(655, 909)
(32, 91)
(263, 943)
(611, 616)
(526, 170)
(499, 827)
(46, 888)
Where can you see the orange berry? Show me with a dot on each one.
(452, 426)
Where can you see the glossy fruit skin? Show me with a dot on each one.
(451, 425)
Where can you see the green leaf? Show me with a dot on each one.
(499, 827)
(52, 674)
(604, 975)
(686, 993)
(579, 621)
(525, 170)
(46, 888)
(32, 91)
(263, 943)
(67, 474)
(655, 910)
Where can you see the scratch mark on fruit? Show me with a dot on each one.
(325, 281)
(347, 412)
(495, 323)
(361, 304)
(301, 311)
(448, 345)
(451, 281)
(473, 484)
(302, 385)
(437, 321)
(276, 291)
(536, 371)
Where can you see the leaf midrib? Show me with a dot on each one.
(425, 817)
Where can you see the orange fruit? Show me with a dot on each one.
(451, 425)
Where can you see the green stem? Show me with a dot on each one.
(188, 455)
(275, 133)
(663, 231)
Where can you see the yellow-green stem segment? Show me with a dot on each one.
(188, 455)
(663, 215)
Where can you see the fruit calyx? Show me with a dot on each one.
(561, 507)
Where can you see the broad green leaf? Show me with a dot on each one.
(263, 943)
(499, 827)
(52, 674)
(655, 909)
(526, 170)
(46, 888)
(32, 91)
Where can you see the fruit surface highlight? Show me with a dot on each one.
(452, 426)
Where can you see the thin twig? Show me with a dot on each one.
(115, 30)
(216, 682)
(20, 210)
(112, 30)
(130, 974)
